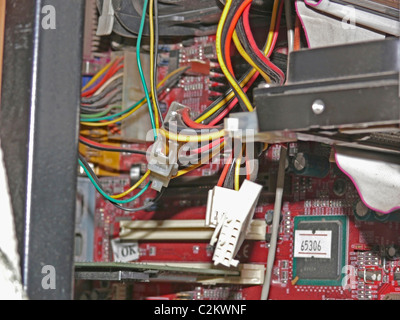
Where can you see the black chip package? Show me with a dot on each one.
(322, 271)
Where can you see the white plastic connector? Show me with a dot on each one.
(230, 212)
(106, 19)
(162, 166)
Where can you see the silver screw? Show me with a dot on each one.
(318, 106)
(300, 162)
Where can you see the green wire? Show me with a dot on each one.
(106, 195)
(114, 115)
(87, 118)
(146, 91)
(99, 114)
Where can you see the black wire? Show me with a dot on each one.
(249, 50)
(230, 176)
(111, 87)
(212, 105)
(144, 207)
(113, 97)
(216, 114)
(231, 13)
(171, 81)
(112, 149)
(96, 179)
(90, 110)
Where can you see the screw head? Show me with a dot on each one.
(318, 106)
(299, 162)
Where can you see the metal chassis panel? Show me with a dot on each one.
(39, 134)
(358, 91)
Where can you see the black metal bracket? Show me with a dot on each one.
(330, 91)
(39, 133)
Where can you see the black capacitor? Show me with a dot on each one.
(310, 165)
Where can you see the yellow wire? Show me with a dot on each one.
(100, 124)
(193, 138)
(137, 184)
(237, 170)
(98, 75)
(195, 166)
(252, 72)
(272, 26)
(227, 98)
(151, 23)
(244, 54)
(221, 61)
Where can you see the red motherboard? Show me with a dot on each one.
(361, 268)
(305, 197)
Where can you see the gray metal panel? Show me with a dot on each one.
(358, 84)
(346, 61)
(293, 111)
(39, 111)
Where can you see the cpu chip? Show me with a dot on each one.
(320, 250)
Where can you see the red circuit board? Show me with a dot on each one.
(304, 197)
(196, 89)
(307, 197)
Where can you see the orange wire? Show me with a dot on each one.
(297, 45)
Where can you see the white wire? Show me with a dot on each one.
(108, 82)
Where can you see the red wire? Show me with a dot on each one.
(224, 171)
(208, 147)
(251, 81)
(228, 40)
(114, 69)
(192, 124)
(246, 24)
(233, 102)
(97, 144)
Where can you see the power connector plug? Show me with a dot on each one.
(230, 213)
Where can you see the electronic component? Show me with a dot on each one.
(362, 212)
(183, 219)
(311, 165)
(392, 252)
(230, 213)
(369, 276)
(319, 250)
(304, 205)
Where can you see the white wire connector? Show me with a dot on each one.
(163, 157)
(162, 166)
(230, 213)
